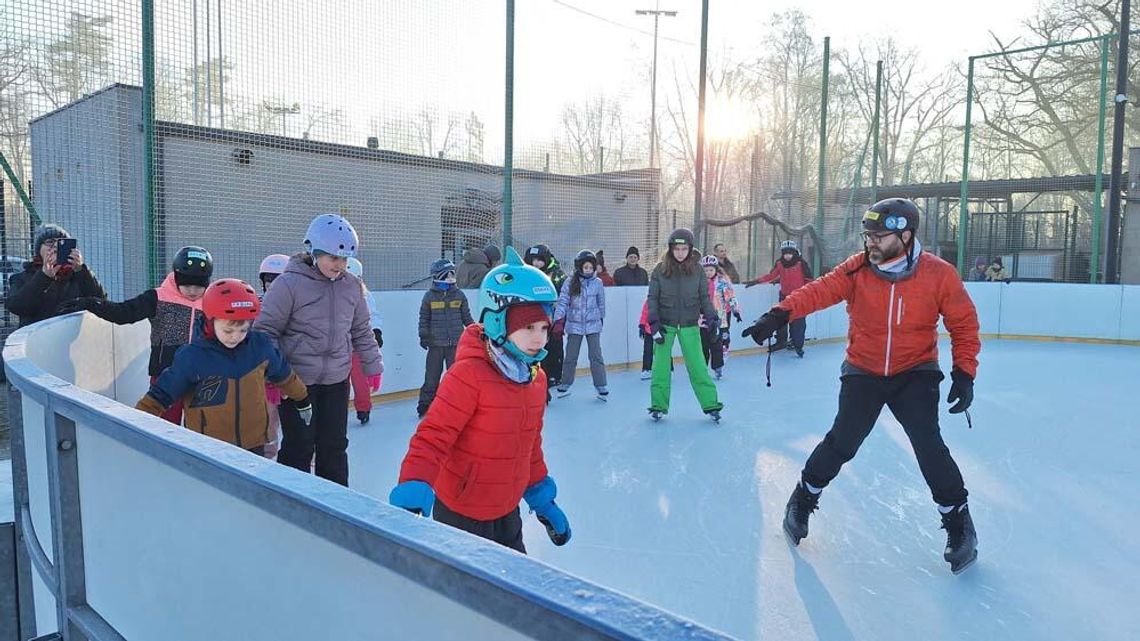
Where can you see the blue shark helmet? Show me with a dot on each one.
(512, 283)
(331, 234)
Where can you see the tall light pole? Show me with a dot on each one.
(1111, 260)
(656, 13)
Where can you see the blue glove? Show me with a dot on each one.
(540, 498)
(416, 497)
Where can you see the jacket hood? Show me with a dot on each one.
(297, 265)
(472, 344)
(475, 257)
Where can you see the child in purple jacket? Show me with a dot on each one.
(316, 314)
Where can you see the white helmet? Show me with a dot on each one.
(273, 264)
(355, 267)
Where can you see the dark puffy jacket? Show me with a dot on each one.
(480, 445)
(34, 297)
(470, 273)
(680, 300)
(171, 315)
(443, 315)
(626, 276)
(224, 389)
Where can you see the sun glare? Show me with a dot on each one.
(728, 119)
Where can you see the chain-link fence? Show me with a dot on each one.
(399, 116)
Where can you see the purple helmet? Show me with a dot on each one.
(331, 234)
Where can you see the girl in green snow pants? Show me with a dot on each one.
(678, 297)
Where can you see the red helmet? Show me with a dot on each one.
(230, 299)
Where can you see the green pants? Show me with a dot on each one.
(699, 377)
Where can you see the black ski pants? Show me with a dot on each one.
(913, 398)
(326, 434)
(505, 530)
(437, 358)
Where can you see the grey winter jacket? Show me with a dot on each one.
(317, 323)
(443, 315)
(470, 273)
(679, 301)
(583, 313)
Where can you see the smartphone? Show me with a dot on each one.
(63, 250)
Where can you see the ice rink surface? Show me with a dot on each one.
(685, 514)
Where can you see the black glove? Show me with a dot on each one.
(737, 316)
(379, 336)
(305, 409)
(425, 343)
(961, 390)
(641, 332)
(79, 305)
(658, 333)
(767, 325)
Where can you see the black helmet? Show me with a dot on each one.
(583, 257)
(193, 266)
(682, 236)
(892, 214)
(441, 268)
(538, 252)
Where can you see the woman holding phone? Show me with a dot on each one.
(55, 274)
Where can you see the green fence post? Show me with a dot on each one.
(15, 180)
(1098, 188)
(148, 75)
(816, 258)
(964, 190)
(875, 126)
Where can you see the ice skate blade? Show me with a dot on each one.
(792, 540)
(966, 565)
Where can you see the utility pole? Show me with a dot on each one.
(283, 111)
(656, 13)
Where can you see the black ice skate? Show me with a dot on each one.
(961, 539)
(800, 506)
(800, 352)
(714, 415)
(656, 414)
(363, 417)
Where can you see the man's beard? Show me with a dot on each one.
(879, 256)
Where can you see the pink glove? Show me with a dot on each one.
(374, 382)
(272, 394)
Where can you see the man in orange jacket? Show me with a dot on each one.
(895, 294)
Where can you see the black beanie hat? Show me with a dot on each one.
(632, 251)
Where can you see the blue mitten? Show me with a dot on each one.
(416, 497)
(540, 498)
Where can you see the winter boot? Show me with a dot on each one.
(961, 539)
(800, 506)
(363, 417)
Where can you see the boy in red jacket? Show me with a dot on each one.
(895, 295)
(792, 272)
(479, 448)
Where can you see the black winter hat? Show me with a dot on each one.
(632, 251)
(493, 254)
(46, 233)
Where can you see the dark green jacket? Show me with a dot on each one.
(679, 301)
